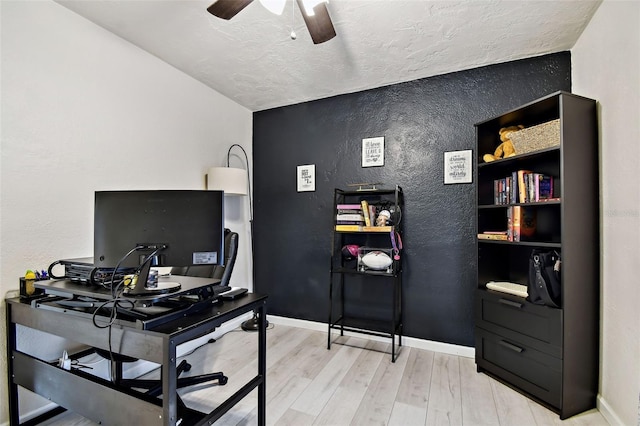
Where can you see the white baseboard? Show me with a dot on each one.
(609, 415)
(446, 348)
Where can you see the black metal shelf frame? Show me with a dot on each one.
(340, 274)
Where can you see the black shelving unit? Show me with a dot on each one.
(549, 354)
(347, 309)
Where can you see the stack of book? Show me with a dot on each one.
(358, 217)
(349, 217)
(521, 225)
(523, 186)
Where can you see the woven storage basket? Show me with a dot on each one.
(545, 135)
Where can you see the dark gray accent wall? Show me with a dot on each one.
(420, 120)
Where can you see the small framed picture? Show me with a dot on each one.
(307, 178)
(457, 167)
(373, 152)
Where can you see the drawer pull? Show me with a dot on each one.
(511, 346)
(511, 303)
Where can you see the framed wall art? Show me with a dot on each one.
(373, 152)
(306, 178)
(457, 167)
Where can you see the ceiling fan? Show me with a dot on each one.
(314, 12)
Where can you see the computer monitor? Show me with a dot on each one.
(157, 228)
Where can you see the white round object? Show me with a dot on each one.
(377, 260)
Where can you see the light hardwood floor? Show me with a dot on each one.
(355, 383)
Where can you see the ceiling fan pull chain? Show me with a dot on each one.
(293, 16)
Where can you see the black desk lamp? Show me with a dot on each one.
(232, 181)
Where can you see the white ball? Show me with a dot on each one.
(377, 260)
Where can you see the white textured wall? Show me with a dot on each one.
(606, 67)
(83, 110)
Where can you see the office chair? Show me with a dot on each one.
(153, 387)
(222, 273)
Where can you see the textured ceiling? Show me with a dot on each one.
(252, 59)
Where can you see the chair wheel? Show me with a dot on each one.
(223, 381)
(187, 367)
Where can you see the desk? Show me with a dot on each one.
(114, 405)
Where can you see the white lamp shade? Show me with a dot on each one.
(228, 179)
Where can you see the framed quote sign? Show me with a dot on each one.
(457, 167)
(373, 152)
(306, 178)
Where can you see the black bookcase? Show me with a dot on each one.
(549, 354)
(361, 299)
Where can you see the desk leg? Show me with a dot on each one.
(14, 411)
(262, 364)
(169, 384)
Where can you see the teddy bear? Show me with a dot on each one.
(506, 148)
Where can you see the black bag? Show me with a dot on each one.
(544, 278)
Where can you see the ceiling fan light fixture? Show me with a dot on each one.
(227, 9)
(310, 4)
(314, 12)
(274, 6)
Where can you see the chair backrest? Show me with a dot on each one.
(223, 273)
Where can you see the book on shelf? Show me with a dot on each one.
(377, 228)
(351, 217)
(497, 236)
(349, 228)
(522, 185)
(515, 223)
(514, 187)
(502, 190)
(536, 186)
(349, 207)
(498, 191)
(545, 188)
(365, 212)
(531, 187)
(372, 214)
(349, 211)
(521, 222)
(361, 228)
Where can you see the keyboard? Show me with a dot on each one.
(507, 287)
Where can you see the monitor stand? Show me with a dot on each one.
(141, 289)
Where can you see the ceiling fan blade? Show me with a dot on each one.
(319, 25)
(227, 9)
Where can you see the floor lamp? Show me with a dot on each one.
(234, 181)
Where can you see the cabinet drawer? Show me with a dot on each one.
(534, 372)
(538, 327)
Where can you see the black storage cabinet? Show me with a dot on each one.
(549, 354)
